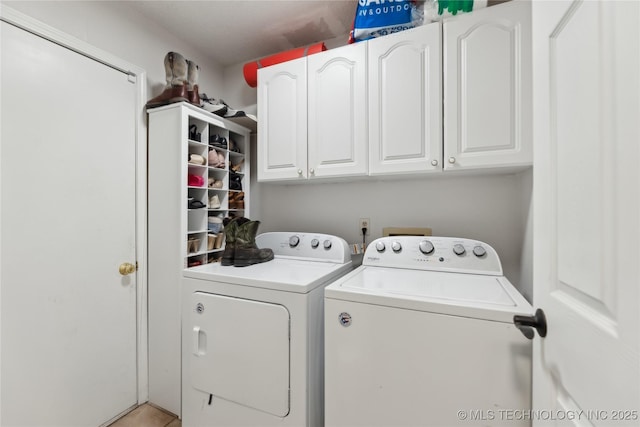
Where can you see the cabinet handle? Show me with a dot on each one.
(299, 171)
(452, 160)
(311, 171)
(434, 163)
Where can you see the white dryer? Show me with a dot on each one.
(422, 334)
(252, 337)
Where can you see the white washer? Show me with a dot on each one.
(252, 337)
(422, 330)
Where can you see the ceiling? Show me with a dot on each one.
(237, 31)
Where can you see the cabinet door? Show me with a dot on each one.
(282, 128)
(487, 81)
(337, 116)
(405, 101)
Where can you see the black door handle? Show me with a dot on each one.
(526, 324)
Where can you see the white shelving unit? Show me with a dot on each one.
(180, 234)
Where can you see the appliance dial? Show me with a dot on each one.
(479, 251)
(327, 244)
(396, 246)
(293, 241)
(458, 249)
(426, 247)
(380, 246)
(315, 243)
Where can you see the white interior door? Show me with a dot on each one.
(68, 158)
(587, 214)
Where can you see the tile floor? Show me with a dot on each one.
(147, 416)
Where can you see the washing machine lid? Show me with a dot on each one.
(281, 273)
(485, 297)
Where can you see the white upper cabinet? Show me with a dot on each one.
(405, 101)
(487, 88)
(337, 112)
(282, 128)
(313, 116)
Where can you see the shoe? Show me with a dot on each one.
(230, 232)
(238, 166)
(235, 181)
(214, 224)
(236, 200)
(233, 146)
(195, 180)
(193, 245)
(213, 105)
(246, 251)
(215, 183)
(176, 89)
(193, 72)
(196, 159)
(214, 159)
(218, 141)
(195, 204)
(222, 164)
(194, 135)
(219, 240)
(214, 202)
(211, 241)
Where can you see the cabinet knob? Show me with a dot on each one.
(126, 268)
(299, 171)
(434, 163)
(312, 171)
(452, 160)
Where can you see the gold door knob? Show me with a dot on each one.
(126, 268)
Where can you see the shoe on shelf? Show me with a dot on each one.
(215, 183)
(195, 180)
(214, 202)
(218, 141)
(216, 159)
(194, 134)
(233, 146)
(196, 159)
(213, 105)
(238, 166)
(196, 204)
(211, 241)
(214, 224)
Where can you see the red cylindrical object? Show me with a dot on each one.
(250, 69)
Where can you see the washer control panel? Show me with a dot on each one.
(313, 246)
(433, 253)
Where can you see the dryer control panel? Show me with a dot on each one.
(434, 253)
(312, 246)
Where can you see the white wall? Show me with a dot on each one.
(122, 31)
(490, 208)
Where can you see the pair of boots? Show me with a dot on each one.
(240, 248)
(182, 82)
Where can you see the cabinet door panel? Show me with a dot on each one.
(487, 82)
(337, 116)
(405, 101)
(282, 128)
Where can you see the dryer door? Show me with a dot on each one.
(240, 351)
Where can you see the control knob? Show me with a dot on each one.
(426, 247)
(479, 251)
(380, 246)
(396, 246)
(293, 241)
(327, 244)
(315, 243)
(458, 249)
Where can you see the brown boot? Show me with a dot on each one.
(175, 67)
